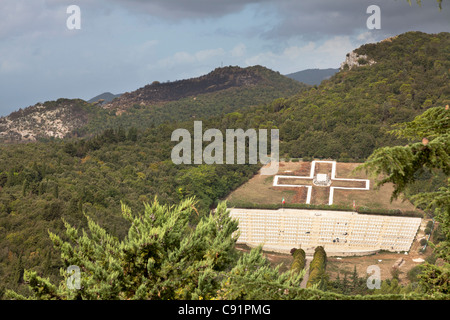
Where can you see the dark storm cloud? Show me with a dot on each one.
(309, 18)
(188, 9)
(313, 18)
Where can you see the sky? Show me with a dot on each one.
(122, 45)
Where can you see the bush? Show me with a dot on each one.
(427, 230)
(413, 273)
(317, 266)
(299, 260)
(438, 235)
(423, 242)
(362, 61)
(431, 259)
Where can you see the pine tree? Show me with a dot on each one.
(25, 186)
(253, 278)
(399, 165)
(56, 190)
(132, 134)
(354, 279)
(345, 285)
(121, 135)
(162, 257)
(337, 284)
(19, 270)
(317, 267)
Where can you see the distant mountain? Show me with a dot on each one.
(222, 91)
(218, 80)
(313, 76)
(106, 97)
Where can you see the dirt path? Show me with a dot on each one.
(305, 279)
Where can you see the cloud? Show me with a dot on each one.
(43, 18)
(9, 66)
(311, 19)
(183, 58)
(327, 54)
(308, 19)
(19, 17)
(239, 50)
(192, 9)
(126, 43)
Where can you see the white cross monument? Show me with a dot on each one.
(320, 180)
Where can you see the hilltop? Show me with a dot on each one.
(217, 80)
(52, 119)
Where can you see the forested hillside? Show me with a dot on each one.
(221, 91)
(216, 94)
(126, 157)
(347, 116)
(44, 182)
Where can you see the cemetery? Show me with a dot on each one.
(340, 232)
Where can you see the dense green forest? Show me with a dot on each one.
(124, 162)
(44, 182)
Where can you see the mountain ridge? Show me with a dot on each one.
(219, 79)
(63, 118)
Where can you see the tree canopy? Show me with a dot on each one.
(401, 165)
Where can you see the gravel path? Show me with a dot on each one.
(305, 279)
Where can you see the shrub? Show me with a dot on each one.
(438, 235)
(317, 266)
(299, 260)
(413, 273)
(431, 259)
(362, 61)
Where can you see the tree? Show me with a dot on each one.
(345, 285)
(317, 267)
(161, 257)
(400, 164)
(132, 134)
(121, 135)
(299, 262)
(56, 190)
(253, 278)
(355, 279)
